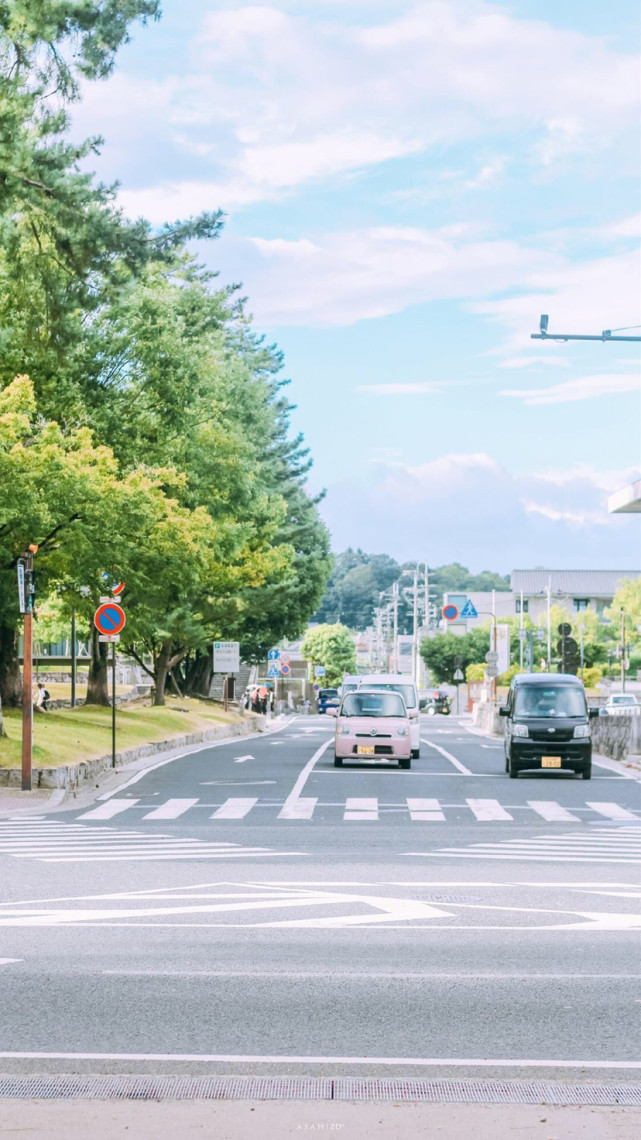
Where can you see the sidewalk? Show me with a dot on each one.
(269, 1120)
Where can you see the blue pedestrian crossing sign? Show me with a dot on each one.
(273, 671)
(469, 610)
(273, 655)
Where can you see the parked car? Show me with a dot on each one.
(620, 703)
(547, 724)
(433, 701)
(328, 698)
(372, 724)
(401, 683)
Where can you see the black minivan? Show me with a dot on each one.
(547, 724)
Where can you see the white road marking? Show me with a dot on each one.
(428, 810)
(448, 756)
(241, 759)
(298, 809)
(108, 810)
(485, 810)
(235, 808)
(8, 961)
(359, 808)
(295, 793)
(612, 811)
(552, 811)
(171, 809)
(294, 1059)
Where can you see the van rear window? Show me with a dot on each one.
(407, 692)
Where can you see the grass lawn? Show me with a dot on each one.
(66, 736)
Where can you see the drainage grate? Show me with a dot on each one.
(324, 1088)
(487, 1092)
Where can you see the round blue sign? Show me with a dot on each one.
(450, 613)
(273, 655)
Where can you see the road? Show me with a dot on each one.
(250, 908)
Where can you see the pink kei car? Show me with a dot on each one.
(372, 724)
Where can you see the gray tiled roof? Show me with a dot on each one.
(573, 583)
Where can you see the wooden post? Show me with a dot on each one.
(27, 699)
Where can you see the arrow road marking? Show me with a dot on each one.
(241, 759)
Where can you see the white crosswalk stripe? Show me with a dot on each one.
(356, 808)
(371, 808)
(52, 841)
(486, 810)
(599, 845)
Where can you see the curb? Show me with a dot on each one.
(72, 776)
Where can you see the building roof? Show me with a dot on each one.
(627, 501)
(572, 583)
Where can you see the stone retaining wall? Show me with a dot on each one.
(72, 775)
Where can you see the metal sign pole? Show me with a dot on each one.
(73, 659)
(113, 704)
(27, 701)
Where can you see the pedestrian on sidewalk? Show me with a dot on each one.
(43, 696)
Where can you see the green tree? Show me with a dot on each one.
(442, 652)
(333, 647)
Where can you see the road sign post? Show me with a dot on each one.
(26, 594)
(109, 619)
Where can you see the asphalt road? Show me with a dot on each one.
(249, 908)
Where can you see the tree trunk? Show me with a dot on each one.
(98, 683)
(2, 728)
(161, 668)
(199, 676)
(10, 677)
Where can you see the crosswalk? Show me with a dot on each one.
(360, 809)
(53, 841)
(602, 845)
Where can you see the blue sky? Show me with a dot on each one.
(408, 185)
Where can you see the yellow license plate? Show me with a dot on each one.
(365, 750)
(551, 762)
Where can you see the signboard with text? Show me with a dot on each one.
(226, 656)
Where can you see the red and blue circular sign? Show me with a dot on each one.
(109, 618)
(285, 669)
(450, 613)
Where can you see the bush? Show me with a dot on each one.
(591, 677)
(475, 673)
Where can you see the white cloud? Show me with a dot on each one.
(272, 100)
(341, 278)
(421, 388)
(468, 507)
(581, 388)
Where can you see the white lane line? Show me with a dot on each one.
(108, 810)
(612, 811)
(448, 756)
(171, 809)
(360, 808)
(298, 809)
(552, 811)
(486, 810)
(295, 793)
(241, 759)
(8, 961)
(235, 808)
(425, 809)
(272, 1059)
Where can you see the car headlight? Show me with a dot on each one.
(401, 732)
(520, 730)
(581, 731)
(345, 730)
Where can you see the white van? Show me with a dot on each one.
(401, 683)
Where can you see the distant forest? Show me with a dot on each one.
(357, 579)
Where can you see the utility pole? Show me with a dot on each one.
(395, 633)
(549, 597)
(581, 647)
(623, 651)
(521, 647)
(427, 598)
(415, 629)
(29, 588)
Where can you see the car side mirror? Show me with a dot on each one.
(594, 712)
(422, 704)
(332, 710)
(504, 711)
